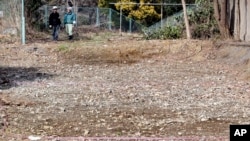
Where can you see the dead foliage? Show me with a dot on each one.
(7, 100)
(7, 39)
(127, 50)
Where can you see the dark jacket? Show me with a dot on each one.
(54, 19)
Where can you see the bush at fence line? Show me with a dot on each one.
(202, 21)
(205, 31)
(167, 32)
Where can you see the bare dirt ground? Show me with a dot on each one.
(122, 86)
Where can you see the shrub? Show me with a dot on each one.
(204, 31)
(202, 21)
(167, 32)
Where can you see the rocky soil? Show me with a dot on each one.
(123, 87)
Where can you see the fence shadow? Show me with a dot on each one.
(11, 76)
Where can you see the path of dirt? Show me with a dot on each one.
(122, 86)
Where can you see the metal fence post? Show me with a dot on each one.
(23, 23)
(110, 19)
(130, 25)
(120, 19)
(46, 15)
(161, 14)
(97, 17)
(76, 11)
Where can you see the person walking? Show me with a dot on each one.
(69, 22)
(54, 23)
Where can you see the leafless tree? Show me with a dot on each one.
(186, 19)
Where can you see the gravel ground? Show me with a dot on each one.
(161, 95)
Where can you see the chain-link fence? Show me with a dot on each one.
(174, 20)
(10, 16)
(1, 15)
(103, 18)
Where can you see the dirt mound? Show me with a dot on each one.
(236, 54)
(130, 50)
(127, 50)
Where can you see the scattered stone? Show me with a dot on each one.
(141, 99)
(86, 132)
(47, 127)
(34, 138)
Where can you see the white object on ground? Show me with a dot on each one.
(34, 138)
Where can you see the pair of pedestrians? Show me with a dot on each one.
(68, 23)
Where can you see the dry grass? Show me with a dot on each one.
(109, 53)
(110, 49)
(11, 15)
(126, 49)
(8, 39)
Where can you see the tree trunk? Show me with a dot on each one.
(186, 19)
(223, 13)
(247, 38)
(243, 21)
(233, 18)
(220, 11)
(237, 20)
